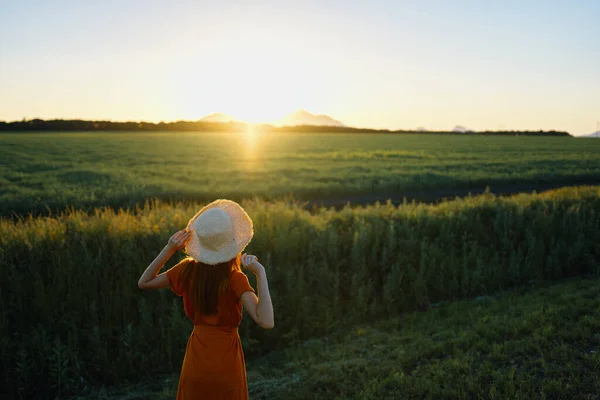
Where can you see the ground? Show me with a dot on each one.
(538, 341)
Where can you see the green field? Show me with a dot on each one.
(531, 343)
(72, 318)
(39, 170)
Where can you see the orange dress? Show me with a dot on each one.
(213, 366)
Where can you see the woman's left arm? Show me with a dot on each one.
(149, 279)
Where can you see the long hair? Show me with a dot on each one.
(205, 283)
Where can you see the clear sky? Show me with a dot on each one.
(483, 64)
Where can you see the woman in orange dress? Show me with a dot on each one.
(214, 289)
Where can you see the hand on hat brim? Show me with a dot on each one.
(178, 240)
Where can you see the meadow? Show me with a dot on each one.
(538, 341)
(88, 212)
(42, 171)
(72, 318)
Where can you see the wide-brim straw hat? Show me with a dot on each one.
(220, 231)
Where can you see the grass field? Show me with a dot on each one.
(535, 342)
(72, 317)
(121, 169)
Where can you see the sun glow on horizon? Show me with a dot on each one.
(255, 78)
(251, 134)
(250, 145)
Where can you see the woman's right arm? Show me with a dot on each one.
(260, 308)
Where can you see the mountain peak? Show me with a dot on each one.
(461, 129)
(218, 117)
(593, 135)
(298, 117)
(302, 112)
(303, 117)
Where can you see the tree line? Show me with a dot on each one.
(76, 125)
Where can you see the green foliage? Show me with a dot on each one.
(520, 344)
(537, 341)
(82, 170)
(72, 316)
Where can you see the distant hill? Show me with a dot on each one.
(592, 135)
(217, 117)
(461, 129)
(303, 117)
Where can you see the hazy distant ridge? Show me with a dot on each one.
(592, 135)
(300, 117)
(303, 117)
(218, 117)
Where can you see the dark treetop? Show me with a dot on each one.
(74, 125)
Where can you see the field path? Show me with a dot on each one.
(436, 196)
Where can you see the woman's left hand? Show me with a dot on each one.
(178, 240)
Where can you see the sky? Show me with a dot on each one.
(485, 64)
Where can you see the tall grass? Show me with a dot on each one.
(72, 317)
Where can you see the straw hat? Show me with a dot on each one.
(220, 230)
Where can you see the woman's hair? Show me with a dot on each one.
(205, 283)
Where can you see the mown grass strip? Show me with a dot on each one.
(539, 342)
(520, 344)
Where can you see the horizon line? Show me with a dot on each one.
(420, 129)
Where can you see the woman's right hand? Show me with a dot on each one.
(178, 240)
(251, 263)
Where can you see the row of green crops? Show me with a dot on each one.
(72, 317)
(55, 170)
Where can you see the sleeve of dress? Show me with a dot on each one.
(174, 278)
(240, 284)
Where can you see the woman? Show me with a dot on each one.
(214, 289)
